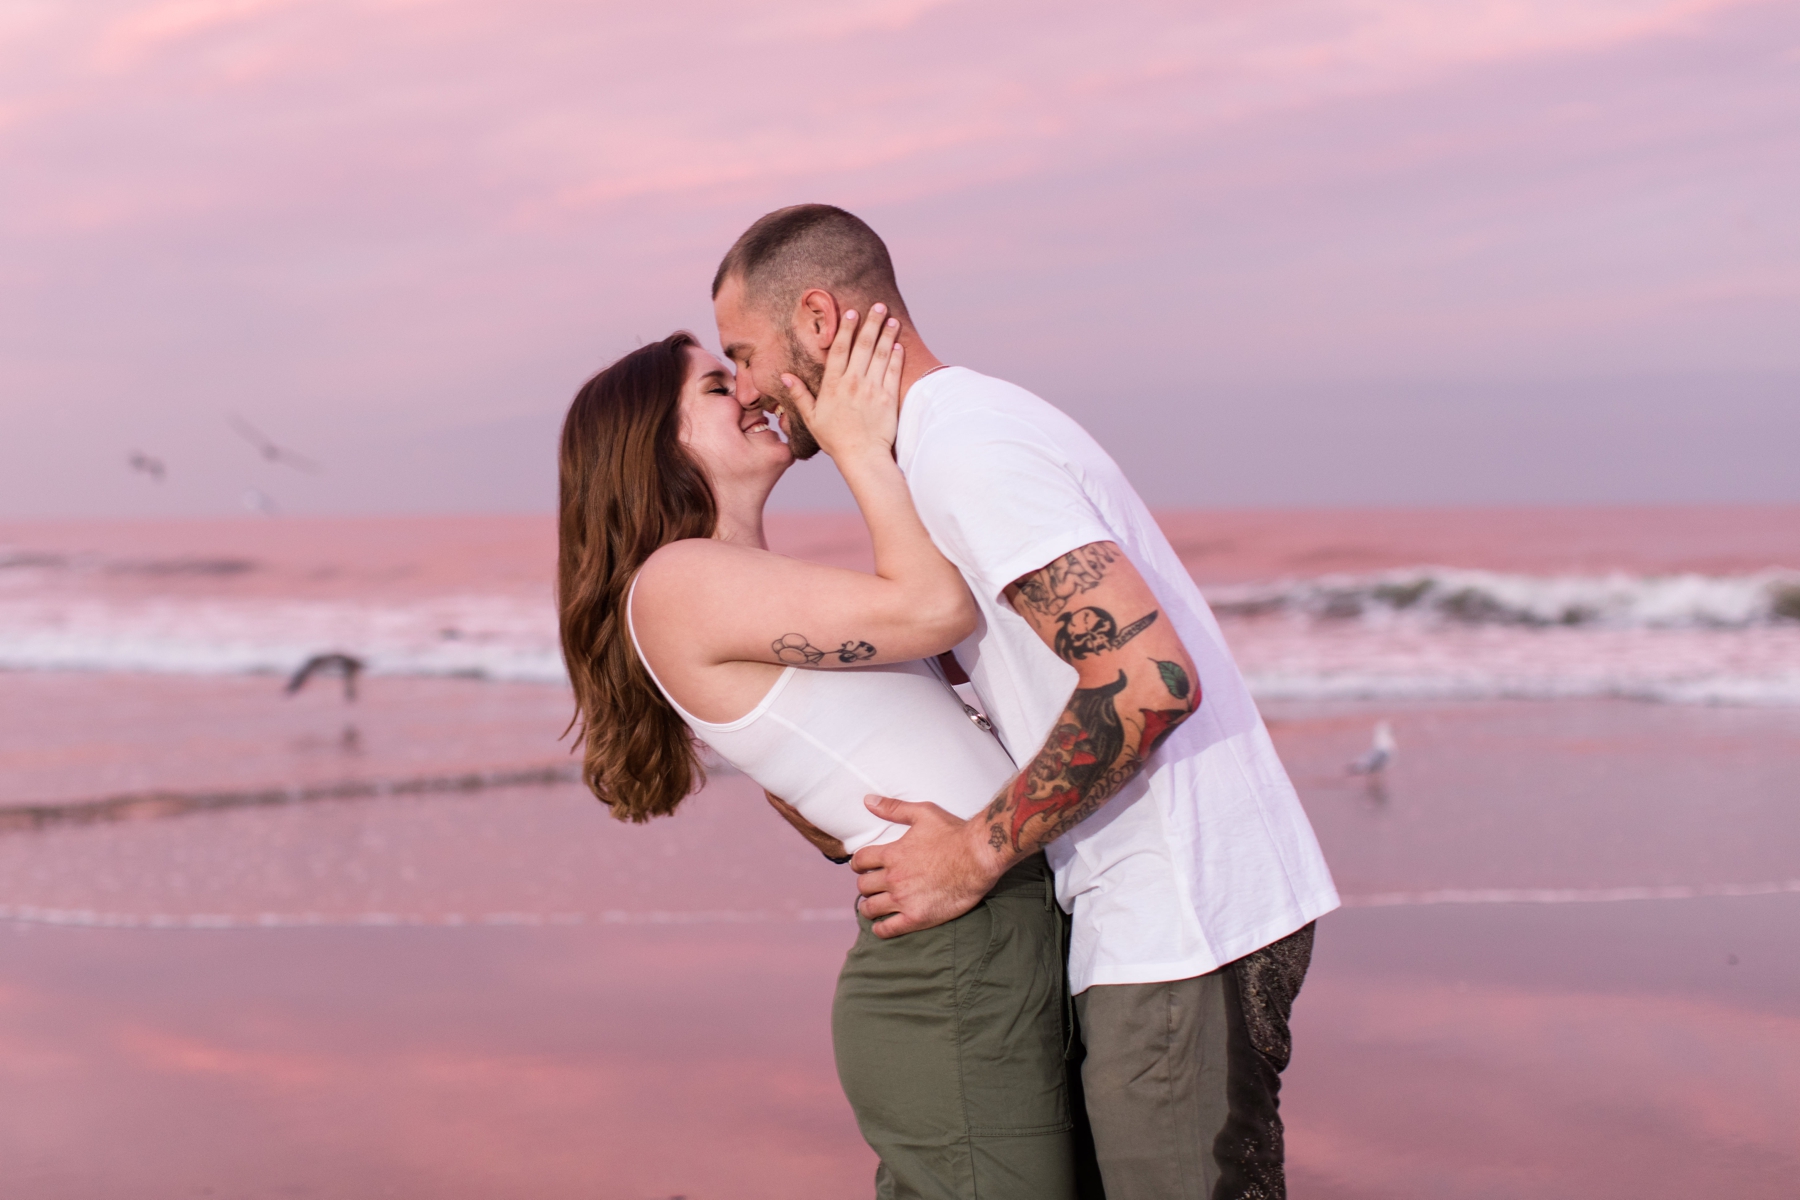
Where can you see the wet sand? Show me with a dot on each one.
(505, 992)
(74, 736)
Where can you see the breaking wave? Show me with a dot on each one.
(1424, 633)
(1445, 595)
(484, 637)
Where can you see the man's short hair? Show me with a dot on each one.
(806, 246)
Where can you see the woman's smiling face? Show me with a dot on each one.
(736, 446)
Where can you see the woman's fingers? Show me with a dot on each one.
(890, 330)
(890, 383)
(884, 348)
(854, 409)
(864, 349)
(838, 357)
(800, 395)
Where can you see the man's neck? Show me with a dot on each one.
(920, 362)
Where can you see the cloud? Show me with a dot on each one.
(388, 217)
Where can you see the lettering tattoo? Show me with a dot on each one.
(794, 650)
(1093, 631)
(1092, 752)
(1048, 590)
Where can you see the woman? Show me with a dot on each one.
(678, 623)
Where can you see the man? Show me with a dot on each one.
(1180, 849)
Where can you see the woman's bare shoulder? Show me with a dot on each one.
(696, 553)
(688, 606)
(675, 568)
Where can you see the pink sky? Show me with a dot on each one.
(1285, 252)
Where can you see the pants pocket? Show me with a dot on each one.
(1010, 1021)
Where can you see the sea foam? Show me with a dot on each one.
(1421, 633)
(1446, 595)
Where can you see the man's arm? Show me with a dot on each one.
(1135, 684)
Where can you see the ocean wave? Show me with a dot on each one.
(1446, 595)
(483, 637)
(1427, 633)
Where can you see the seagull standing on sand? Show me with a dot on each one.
(326, 664)
(1380, 754)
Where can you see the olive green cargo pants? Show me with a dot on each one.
(950, 1045)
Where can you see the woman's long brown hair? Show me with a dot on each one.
(628, 486)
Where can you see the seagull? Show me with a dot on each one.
(270, 451)
(153, 467)
(1380, 754)
(346, 665)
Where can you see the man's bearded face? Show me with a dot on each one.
(812, 373)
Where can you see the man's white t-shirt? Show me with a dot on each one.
(1206, 855)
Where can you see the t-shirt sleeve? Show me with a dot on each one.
(1002, 502)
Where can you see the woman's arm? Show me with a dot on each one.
(703, 602)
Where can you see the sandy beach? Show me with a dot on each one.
(271, 945)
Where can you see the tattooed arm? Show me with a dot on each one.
(1135, 684)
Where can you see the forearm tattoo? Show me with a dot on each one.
(1048, 590)
(794, 650)
(1093, 751)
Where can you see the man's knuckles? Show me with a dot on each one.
(877, 906)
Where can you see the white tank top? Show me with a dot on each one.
(822, 740)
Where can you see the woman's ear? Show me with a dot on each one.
(816, 322)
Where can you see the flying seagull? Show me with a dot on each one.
(346, 665)
(153, 467)
(1380, 754)
(270, 451)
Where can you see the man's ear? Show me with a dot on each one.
(816, 321)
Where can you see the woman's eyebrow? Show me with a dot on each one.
(715, 375)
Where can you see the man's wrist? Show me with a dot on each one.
(992, 861)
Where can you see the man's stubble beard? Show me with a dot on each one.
(801, 442)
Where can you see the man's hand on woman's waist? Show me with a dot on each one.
(935, 872)
(1135, 684)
